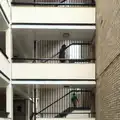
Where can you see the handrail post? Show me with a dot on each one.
(34, 103)
(35, 48)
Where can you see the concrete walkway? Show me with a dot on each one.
(66, 119)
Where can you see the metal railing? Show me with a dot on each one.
(56, 102)
(51, 60)
(56, 3)
(64, 115)
(64, 51)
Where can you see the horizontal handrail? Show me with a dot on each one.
(71, 113)
(62, 98)
(51, 4)
(54, 59)
(68, 47)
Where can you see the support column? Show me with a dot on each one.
(28, 109)
(35, 103)
(9, 44)
(93, 103)
(9, 88)
(9, 101)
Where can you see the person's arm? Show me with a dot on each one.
(77, 100)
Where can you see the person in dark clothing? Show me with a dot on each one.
(74, 100)
(62, 53)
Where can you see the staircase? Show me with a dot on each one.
(70, 110)
(62, 106)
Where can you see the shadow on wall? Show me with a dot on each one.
(2, 41)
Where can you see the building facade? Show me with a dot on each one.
(107, 60)
(47, 56)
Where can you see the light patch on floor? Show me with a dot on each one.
(75, 114)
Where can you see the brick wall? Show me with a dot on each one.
(108, 32)
(108, 60)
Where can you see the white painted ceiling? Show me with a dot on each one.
(24, 38)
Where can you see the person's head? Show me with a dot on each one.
(63, 46)
(73, 94)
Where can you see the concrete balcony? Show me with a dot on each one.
(4, 70)
(44, 71)
(53, 15)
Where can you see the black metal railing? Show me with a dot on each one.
(56, 102)
(64, 51)
(56, 3)
(64, 115)
(32, 60)
(74, 49)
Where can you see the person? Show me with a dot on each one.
(74, 100)
(62, 53)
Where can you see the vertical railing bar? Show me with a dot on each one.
(35, 103)
(38, 50)
(52, 50)
(47, 52)
(40, 99)
(45, 49)
(51, 99)
(60, 101)
(57, 49)
(41, 50)
(64, 100)
(46, 98)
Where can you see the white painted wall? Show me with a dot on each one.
(25, 14)
(4, 65)
(5, 4)
(53, 71)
